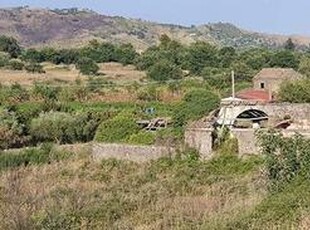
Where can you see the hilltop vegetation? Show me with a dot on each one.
(74, 27)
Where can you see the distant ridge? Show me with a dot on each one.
(74, 27)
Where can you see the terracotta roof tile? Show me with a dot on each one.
(276, 73)
(253, 94)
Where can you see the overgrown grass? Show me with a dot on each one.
(226, 192)
(32, 156)
(169, 193)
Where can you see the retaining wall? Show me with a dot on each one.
(201, 140)
(102, 151)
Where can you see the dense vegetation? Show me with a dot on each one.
(270, 191)
(266, 192)
(169, 60)
(47, 113)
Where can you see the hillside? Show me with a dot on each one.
(73, 27)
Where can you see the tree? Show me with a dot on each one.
(125, 54)
(10, 46)
(295, 92)
(284, 59)
(289, 45)
(163, 71)
(33, 55)
(87, 66)
(99, 52)
(201, 55)
(34, 68)
(226, 56)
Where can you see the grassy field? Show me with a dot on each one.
(77, 193)
(49, 187)
(63, 74)
(70, 191)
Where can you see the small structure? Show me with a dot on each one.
(255, 95)
(270, 79)
(154, 124)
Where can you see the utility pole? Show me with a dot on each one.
(233, 83)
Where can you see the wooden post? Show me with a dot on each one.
(233, 83)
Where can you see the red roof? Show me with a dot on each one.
(254, 94)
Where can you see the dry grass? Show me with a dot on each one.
(82, 194)
(120, 74)
(63, 74)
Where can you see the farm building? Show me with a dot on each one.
(270, 79)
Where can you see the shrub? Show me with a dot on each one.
(164, 70)
(142, 138)
(10, 46)
(14, 94)
(117, 129)
(195, 104)
(16, 64)
(34, 68)
(286, 158)
(45, 91)
(4, 59)
(64, 128)
(148, 94)
(44, 154)
(295, 92)
(87, 66)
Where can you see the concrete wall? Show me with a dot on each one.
(201, 140)
(247, 142)
(102, 151)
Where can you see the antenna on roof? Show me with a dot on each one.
(233, 83)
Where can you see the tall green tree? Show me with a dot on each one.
(201, 55)
(163, 71)
(10, 46)
(289, 45)
(284, 59)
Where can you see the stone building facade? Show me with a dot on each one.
(270, 79)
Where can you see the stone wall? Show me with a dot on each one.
(300, 113)
(201, 140)
(247, 142)
(102, 151)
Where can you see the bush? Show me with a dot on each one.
(295, 92)
(286, 158)
(46, 92)
(34, 68)
(117, 129)
(10, 46)
(87, 66)
(148, 94)
(16, 64)
(163, 71)
(53, 127)
(64, 128)
(195, 104)
(13, 94)
(142, 138)
(42, 155)
(4, 59)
